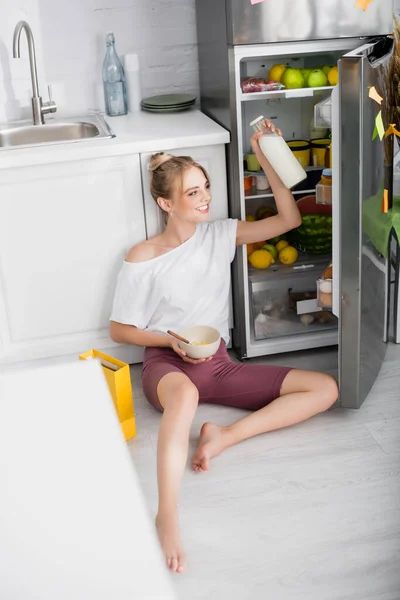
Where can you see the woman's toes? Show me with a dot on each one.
(182, 565)
(174, 564)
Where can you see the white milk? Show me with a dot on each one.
(279, 155)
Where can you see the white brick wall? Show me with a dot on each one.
(69, 37)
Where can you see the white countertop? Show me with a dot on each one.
(135, 133)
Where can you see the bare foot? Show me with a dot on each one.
(171, 544)
(211, 443)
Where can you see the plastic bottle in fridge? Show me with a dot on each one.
(279, 155)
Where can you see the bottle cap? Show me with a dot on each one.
(110, 39)
(260, 118)
(327, 172)
(131, 62)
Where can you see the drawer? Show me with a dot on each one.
(274, 296)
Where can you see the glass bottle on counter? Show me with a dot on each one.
(279, 155)
(114, 81)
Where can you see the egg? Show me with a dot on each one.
(325, 299)
(325, 287)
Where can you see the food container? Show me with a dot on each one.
(324, 293)
(250, 85)
(252, 163)
(320, 152)
(302, 151)
(204, 341)
(324, 188)
(323, 193)
(325, 288)
(261, 182)
(248, 183)
(313, 177)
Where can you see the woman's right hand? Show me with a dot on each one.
(174, 344)
(256, 136)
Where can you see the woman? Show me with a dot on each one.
(180, 278)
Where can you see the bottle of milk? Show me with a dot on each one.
(279, 155)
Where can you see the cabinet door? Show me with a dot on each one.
(212, 158)
(64, 230)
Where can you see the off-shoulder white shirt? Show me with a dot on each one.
(186, 286)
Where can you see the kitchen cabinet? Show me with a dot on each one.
(64, 230)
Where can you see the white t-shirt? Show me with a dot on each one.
(187, 286)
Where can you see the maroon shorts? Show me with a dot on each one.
(219, 381)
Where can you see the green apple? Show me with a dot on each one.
(317, 78)
(327, 68)
(292, 79)
(305, 73)
(271, 249)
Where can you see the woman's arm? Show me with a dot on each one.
(288, 216)
(129, 334)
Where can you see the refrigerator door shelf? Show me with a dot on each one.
(323, 113)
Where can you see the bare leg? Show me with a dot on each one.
(303, 395)
(179, 398)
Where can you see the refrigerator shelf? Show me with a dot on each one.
(297, 93)
(254, 194)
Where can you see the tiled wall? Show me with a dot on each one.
(69, 37)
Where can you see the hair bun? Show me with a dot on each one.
(158, 159)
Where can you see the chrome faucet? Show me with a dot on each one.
(39, 108)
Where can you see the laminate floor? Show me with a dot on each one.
(309, 512)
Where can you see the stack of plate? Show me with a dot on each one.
(168, 103)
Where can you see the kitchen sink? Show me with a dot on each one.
(23, 134)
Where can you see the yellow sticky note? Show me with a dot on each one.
(374, 95)
(379, 125)
(392, 130)
(385, 201)
(363, 4)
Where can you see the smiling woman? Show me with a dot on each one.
(181, 278)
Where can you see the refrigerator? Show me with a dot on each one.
(238, 40)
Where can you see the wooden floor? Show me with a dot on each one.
(311, 512)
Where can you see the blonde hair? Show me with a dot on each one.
(167, 172)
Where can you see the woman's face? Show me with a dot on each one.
(192, 202)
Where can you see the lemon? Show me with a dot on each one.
(250, 218)
(276, 73)
(333, 76)
(272, 250)
(261, 259)
(282, 244)
(288, 255)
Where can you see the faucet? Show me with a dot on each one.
(39, 108)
